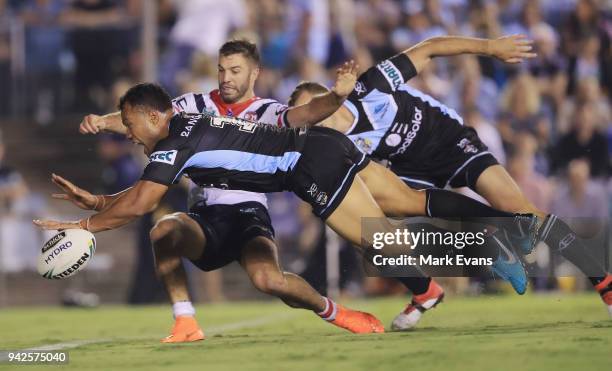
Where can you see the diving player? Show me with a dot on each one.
(428, 146)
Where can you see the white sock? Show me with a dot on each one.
(183, 308)
(329, 313)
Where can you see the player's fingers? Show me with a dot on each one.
(529, 55)
(60, 196)
(64, 184)
(47, 224)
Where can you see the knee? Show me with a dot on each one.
(271, 283)
(166, 227)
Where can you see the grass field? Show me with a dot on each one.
(553, 332)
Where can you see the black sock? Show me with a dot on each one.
(451, 205)
(561, 239)
(416, 285)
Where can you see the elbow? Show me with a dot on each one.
(139, 210)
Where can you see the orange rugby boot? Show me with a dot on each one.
(185, 329)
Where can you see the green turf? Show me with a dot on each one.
(488, 333)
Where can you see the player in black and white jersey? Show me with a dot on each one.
(235, 223)
(427, 144)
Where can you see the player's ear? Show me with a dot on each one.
(153, 116)
(255, 73)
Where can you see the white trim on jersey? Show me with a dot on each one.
(351, 107)
(464, 165)
(432, 102)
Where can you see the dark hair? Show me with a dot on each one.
(244, 47)
(147, 94)
(309, 87)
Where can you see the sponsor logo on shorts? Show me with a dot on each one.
(467, 146)
(319, 197)
(166, 157)
(566, 241)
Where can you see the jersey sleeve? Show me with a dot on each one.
(275, 113)
(166, 165)
(386, 76)
(185, 103)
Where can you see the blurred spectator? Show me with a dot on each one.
(201, 25)
(583, 141)
(586, 42)
(471, 89)
(103, 34)
(549, 66)
(588, 92)
(521, 110)
(487, 132)
(582, 201)
(522, 166)
(5, 56)
(45, 48)
(121, 170)
(18, 239)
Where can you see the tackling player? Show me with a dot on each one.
(428, 146)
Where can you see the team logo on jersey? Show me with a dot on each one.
(393, 140)
(364, 144)
(391, 73)
(167, 157)
(359, 88)
(251, 116)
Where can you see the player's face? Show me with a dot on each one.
(237, 75)
(141, 126)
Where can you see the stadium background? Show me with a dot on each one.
(548, 120)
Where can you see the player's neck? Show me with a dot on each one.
(246, 97)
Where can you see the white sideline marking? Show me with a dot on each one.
(210, 330)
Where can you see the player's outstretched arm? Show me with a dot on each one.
(142, 198)
(324, 105)
(94, 124)
(510, 49)
(82, 198)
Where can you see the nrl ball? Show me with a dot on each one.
(66, 253)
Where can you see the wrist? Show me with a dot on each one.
(490, 47)
(338, 98)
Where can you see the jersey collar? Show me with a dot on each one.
(230, 109)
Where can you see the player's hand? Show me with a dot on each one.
(74, 194)
(92, 124)
(346, 77)
(57, 225)
(512, 49)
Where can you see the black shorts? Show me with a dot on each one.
(325, 171)
(458, 164)
(227, 229)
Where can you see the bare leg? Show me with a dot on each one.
(502, 192)
(260, 261)
(174, 236)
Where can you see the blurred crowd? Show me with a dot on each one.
(548, 120)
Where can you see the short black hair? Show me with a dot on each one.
(306, 86)
(147, 94)
(242, 46)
